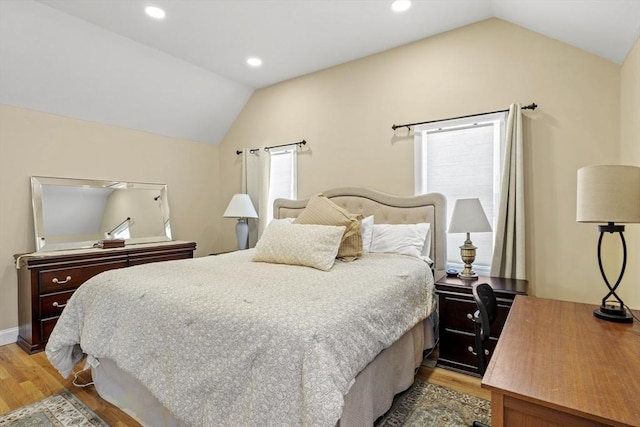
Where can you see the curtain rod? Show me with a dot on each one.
(253, 150)
(531, 106)
(299, 144)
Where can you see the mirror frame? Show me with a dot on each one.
(36, 198)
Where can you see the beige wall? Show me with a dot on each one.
(630, 155)
(589, 114)
(34, 143)
(346, 113)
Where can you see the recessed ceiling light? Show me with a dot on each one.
(254, 61)
(401, 5)
(155, 12)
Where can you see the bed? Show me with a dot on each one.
(222, 340)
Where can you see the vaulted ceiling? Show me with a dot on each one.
(186, 75)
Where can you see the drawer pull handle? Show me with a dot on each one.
(472, 351)
(55, 304)
(469, 316)
(61, 282)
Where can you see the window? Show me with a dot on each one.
(283, 176)
(462, 158)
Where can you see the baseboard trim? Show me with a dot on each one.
(8, 336)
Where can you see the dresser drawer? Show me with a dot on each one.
(169, 256)
(69, 278)
(46, 327)
(52, 305)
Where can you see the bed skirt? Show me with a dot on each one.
(391, 372)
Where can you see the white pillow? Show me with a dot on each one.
(367, 233)
(300, 244)
(404, 239)
(281, 221)
(426, 249)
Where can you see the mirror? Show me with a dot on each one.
(77, 213)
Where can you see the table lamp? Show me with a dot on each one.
(241, 207)
(468, 216)
(610, 194)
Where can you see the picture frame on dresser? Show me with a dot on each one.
(456, 306)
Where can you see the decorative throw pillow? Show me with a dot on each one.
(404, 239)
(367, 233)
(299, 244)
(322, 211)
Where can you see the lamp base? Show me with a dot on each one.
(468, 255)
(612, 310)
(613, 313)
(242, 233)
(472, 275)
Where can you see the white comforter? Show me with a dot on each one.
(221, 340)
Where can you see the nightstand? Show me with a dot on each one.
(456, 305)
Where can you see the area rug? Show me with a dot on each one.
(425, 404)
(61, 409)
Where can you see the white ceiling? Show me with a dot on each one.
(186, 76)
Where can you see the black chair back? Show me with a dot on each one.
(483, 318)
(487, 306)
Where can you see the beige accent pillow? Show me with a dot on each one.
(320, 210)
(299, 244)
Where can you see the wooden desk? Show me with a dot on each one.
(556, 364)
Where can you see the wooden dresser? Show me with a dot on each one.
(46, 281)
(456, 305)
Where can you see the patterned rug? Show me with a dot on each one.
(425, 404)
(62, 409)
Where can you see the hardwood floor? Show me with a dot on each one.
(25, 379)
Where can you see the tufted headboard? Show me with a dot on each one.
(386, 209)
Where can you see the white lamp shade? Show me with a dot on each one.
(240, 206)
(468, 216)
(608, 193)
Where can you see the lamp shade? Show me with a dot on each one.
(468, 216)
(608, 193)
(240, 206)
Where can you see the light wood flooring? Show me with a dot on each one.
(25, 379)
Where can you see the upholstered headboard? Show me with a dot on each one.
(386, 209)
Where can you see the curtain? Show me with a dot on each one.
(509, 246)
(251, 185)
(265, 179)
(264, 189)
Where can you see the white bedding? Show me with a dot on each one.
(277, 344)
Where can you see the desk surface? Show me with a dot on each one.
(558, 355)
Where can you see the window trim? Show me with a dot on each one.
(498, 120)
(291, 150)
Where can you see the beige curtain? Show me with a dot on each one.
(509, 247)
(263, 200)
(251, 180)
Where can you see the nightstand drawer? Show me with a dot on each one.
(457, 308)
(64, 279)
(456, 353)
(455, 316)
